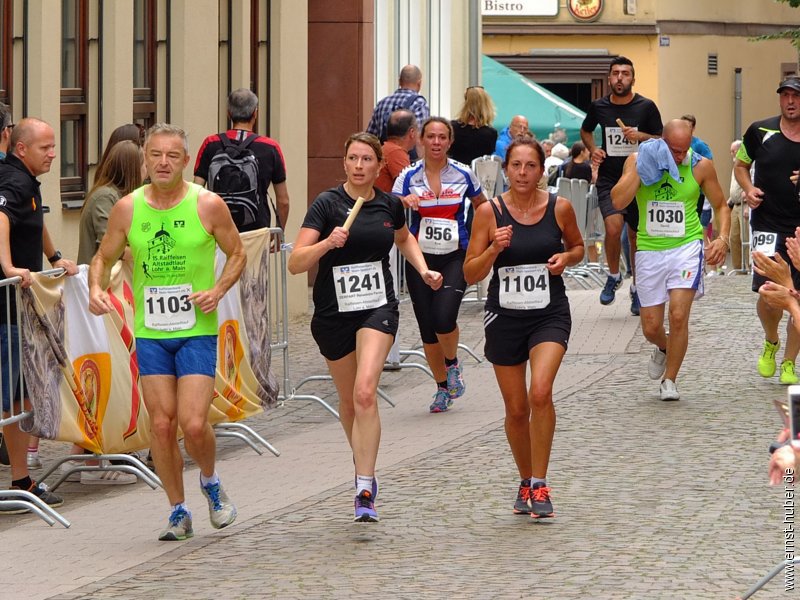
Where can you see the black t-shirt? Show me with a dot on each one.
(271, 167)
(775, 157)
(21, 202)
(640, 112)
(370, 240)
(574, 170)
(471, 142)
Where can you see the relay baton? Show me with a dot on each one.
(620, 123)
(352, 216)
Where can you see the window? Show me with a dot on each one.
(74, 63)
(144, 62)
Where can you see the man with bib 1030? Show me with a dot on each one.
(173, 227)
(666, 178)
(773, 144)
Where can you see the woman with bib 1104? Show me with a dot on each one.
(529, 237)
(435, 189)
(355, 309)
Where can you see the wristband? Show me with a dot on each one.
(55, 258)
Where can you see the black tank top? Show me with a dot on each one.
(531, 244)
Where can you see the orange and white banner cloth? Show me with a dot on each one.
(81, 371)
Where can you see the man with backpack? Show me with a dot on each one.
(406, 96)
(240, 165)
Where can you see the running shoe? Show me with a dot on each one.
(374, 486)
(657, 364)
(34, 462)
(609, 291)
(179, 527)
(365, 508)
(539, 503)
(107, 478)
(221, 510)
(39, 490)
(766, 362)
(787, 373)
(669, 391)
(455, 381)
(635, 306)
(441, 401)
(521, 505)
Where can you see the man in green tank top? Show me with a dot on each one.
(172, 227)
(669, 258)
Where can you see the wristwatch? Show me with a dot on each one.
(55, 258)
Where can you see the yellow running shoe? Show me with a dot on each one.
(766, 362)
(787, 373)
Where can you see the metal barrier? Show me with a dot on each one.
(583, 198)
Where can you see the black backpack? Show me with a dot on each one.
(407, 103)
(233, 175)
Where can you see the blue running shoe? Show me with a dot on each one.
(441, 401)
(374, 486)
(365, 508)
(179, 527)
(221, 510)
(609, 291)
(455, 381)
(635, 306)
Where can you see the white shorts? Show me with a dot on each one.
(658, 271)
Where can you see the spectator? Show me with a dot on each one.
(740, 219)
(578, 166)
(517, 127)
(473, 134)
(405, 96)
(129, 131)
(401, 139)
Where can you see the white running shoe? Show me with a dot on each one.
(669, 391)
(658, 364)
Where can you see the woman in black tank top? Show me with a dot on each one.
(529, 237)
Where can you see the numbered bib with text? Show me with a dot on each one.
(617, 144)
(438, 236)
(168, 308)
(666, 219)
(359, 286)
(764, 242)
(524, 287)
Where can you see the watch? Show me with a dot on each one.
(55, 258)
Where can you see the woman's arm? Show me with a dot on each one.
(485, 243)
(308, 248)
(407, 244)
(573, 240)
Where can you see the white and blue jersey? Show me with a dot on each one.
(458, 183)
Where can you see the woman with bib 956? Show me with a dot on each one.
(435, 189)
(355, 309)
(529, 237)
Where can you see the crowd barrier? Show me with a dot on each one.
(583, 198)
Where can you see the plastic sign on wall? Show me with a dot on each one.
(520, 8)
(585, 10)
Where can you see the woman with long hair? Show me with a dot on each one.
(529, 236)
(129, 131)
(355, 309)
(473, 134)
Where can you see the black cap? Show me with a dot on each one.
(792, 83)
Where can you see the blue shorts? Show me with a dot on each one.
(9, 378)
(178, 356)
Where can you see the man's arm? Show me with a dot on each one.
(587, 137)
(706, 175)
(49, 249)
(625, 190)
(216, 218)
(111, 247)
(9, 270)
(281, 202)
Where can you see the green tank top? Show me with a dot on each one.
(173, 256)
(668, 211)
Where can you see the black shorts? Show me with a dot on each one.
(630, 214)
(780, 248)
(509, 340)
(336, 335)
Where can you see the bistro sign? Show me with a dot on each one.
(520, 8)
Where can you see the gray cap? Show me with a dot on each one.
(792, 83)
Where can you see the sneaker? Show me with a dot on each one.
(365, 508)
(787, 373)
(221, 510)
(374, 486)
(179, 527)
(4, 460)
(34, 462)
(609, 291)
(106, 478)
(521, 505)
(455, 381)
(657, 364)
(669, 391)
(441, 401)
(74, 476)
(539, 504)
(40, 491)
(635, 306)
(766, 362)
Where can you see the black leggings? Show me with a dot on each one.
(437, 311)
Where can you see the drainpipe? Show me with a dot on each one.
(737, 103)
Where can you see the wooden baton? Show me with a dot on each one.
(353, 213)
(620, 123)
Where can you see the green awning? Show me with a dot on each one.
(514, 94)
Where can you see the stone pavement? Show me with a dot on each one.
(654, 500)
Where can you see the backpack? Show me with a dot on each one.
(407, 103)
(233, 175)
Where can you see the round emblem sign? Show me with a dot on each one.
(585, 10)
